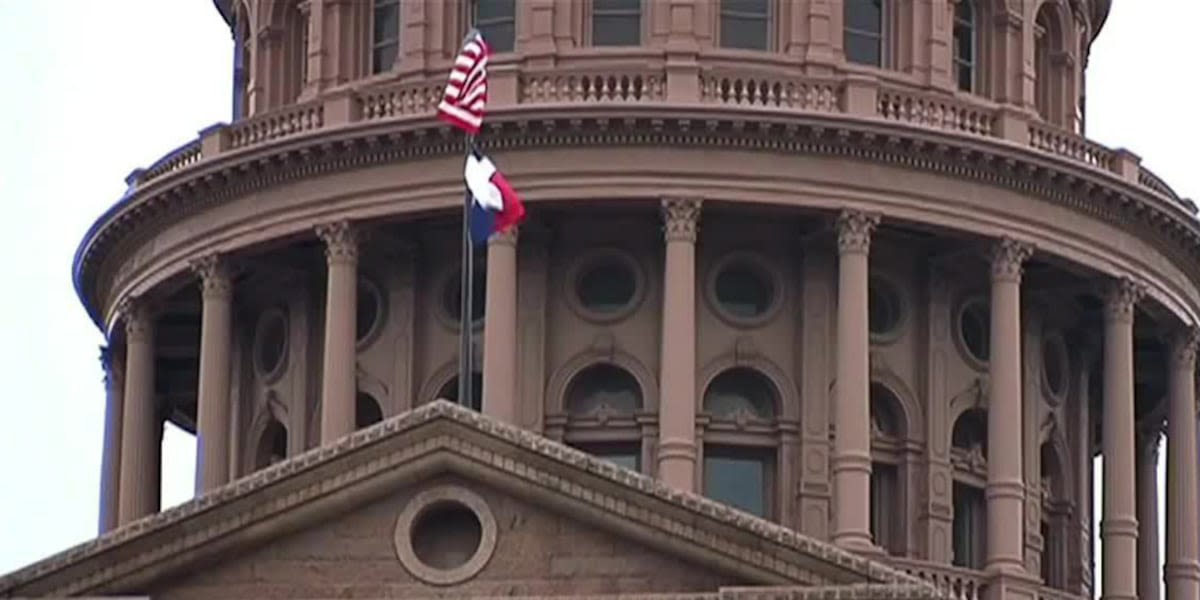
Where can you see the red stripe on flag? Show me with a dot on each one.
(465, 98)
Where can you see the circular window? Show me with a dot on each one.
(452, 295)
(445, 535)
(744, 291)
(369, 317)
(606, 286)
(270, 343)
(885, 309)
(974, 328)
(1054, 366)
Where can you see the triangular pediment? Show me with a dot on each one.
(380, 481)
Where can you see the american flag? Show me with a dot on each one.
(466, 92)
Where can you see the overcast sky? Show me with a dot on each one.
(95, 89)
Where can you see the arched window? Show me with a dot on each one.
(385, 35)
(1049, 56)
(966, 45)
(496, 20)
(616, 22)
(602, 403)
(745, 24)
(1056, 519)
(740, 445)
(366, 411)
(863, 33)
(968, 454)
(295, 60)
(272, 445)
(888, 436)
(449, 391)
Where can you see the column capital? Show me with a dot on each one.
(508, 237)
(1183, 344)
(1008, 258)
(138, 318)
(216, 280)
(1120, 299)
(341, 241)
(681, 218)
(854, 230)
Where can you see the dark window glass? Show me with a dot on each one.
(863, 35)
(616, 22)
(366, 411)
(446, 535)
(271, 343)
(450, 391)
(969, 526)
(628, 455)
(385, 35)
(606, 286)
(964, 44)
(496, 21)
(975, 326)
(883, 411)
(1053, 365)
(884, 506)
(745, 24)
(740, 391)
(970, 430)
(883, 307)
(737, 477)
(743, 291)
(368, 310)
(604, 388)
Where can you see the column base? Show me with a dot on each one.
(1005, 585)
(677, 463)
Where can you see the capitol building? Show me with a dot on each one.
(815, 299)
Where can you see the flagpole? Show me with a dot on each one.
(465, 322)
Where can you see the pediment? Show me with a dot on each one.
(544, 499)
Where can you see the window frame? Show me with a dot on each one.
(889, 449)
(771, 43)
(744, 435)
(886, 36)
(596, 433)
(974, 33)
(589, 28)
(472, 21)
(375, 44)
(767, 455)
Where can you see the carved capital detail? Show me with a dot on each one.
(854, 230)
(138, 319)
(1008, 258)
(1183, 348)
(681, 218)
(1121, 298)
(508, 237)
(216, 282)
(341, 241)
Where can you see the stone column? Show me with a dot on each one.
(1118, 526)
(212, 397)
(110, 462)
(677, 395)
(1148, 565)
(1183, 504)
(338, 385)
(141, 428)
(500, 329)
(1005, 466)
(852, 406)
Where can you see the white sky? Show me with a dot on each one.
(96, 89)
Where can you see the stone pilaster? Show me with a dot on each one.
(216, 332)
(677, 396)
(500, 325)
(338, 385)
(1005, 468)
(852, 414)
(1119, 526)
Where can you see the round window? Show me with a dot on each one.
(445, 535)
(452, 294)
(884, 309)
(270, 343)
(606, 286)
(974, 325)
(1054, 365)
(743, 291)
(370, 309)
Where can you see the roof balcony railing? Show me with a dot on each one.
(591, 79)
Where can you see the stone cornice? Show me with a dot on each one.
(1097, 193)
(436, 437)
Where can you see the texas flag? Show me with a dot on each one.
(495, 207)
